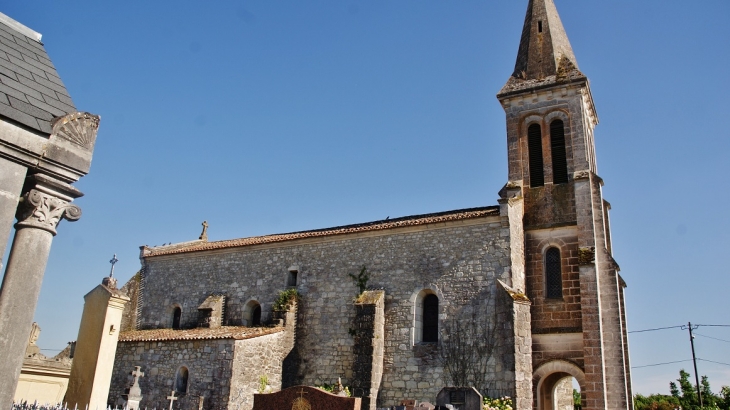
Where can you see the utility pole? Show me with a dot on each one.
(694, 360)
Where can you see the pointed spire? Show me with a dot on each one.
(544, 47)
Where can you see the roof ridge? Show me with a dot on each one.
(20, 28)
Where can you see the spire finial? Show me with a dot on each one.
(113, 261)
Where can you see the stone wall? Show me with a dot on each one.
(459, 261)
(209, 364)
(129, 316)
(368, 333)
(259, 358)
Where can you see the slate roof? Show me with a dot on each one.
(406, 221)
(31, 92)
(223, 332)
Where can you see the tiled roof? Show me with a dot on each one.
(224, 332)
(414, 220)
(31, 92)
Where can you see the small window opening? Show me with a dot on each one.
(534, 148)
(291, 279)
(553, 274)
(256, 316)
(557, 147)
(181, 381)
(176, 314)
(539, 26)
(430, 319)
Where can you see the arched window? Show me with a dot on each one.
(430, 319)
(252, 313)
(557, 147)
(553, 274)
(176, 314)
(534, 150)
(256, 316)
(181, 381)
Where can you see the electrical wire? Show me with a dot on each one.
(660, 364)
(711, 361)
(715, 325)
(710, 337)
(658, 328)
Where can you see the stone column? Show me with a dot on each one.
(12, 177)
(46, 201)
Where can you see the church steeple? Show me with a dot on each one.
(544, 46)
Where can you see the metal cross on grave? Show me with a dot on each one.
(172, 398)
(113, 261)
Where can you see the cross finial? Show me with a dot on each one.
(113, 261)
(204, 235)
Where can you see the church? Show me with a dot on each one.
(516, 299)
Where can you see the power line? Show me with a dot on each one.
(711, 361)
(710, 337)
(660, 364)
(715, 325)
(652, 330)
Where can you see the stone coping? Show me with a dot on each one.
(224, 332)
(406, 221)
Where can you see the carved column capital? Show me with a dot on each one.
(44, 211)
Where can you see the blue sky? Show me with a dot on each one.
(266, 117)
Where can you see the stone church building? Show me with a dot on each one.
(521, 297)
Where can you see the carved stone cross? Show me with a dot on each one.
(172, 398)
(137, 373)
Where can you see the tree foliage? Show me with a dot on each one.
(684, 395)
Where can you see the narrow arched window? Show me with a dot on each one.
(181, 380)
(534, 148)
(430, 319)
(557, 148)
(176, 314)
(256, 316)
(553, 274)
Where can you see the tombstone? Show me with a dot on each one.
(172, 399)
(135, 393)
(304, 398)
(461, 398)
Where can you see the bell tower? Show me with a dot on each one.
(578, 316)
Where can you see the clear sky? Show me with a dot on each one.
(275, 116)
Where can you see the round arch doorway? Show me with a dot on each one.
(554, 383)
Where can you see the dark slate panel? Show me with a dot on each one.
(53, 86)
(20, 87)
(67, 108)
(55, 111)
(19, 116)
(65, 99)
(10, 66)
(24, 65)
(8, 73)
(31, 91)
(11, 91)
(36, 86)
(29, 109)
(9, 50)
(19, 48)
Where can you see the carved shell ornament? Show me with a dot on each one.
(79, 128)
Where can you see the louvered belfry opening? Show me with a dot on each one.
(553, 274)
(430, 319)
(534, 148)
(557, 147)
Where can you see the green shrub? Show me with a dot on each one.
(286, 299)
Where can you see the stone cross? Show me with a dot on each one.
(204, 235)
(137, 373)
(172, 398)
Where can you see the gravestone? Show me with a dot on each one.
(135, 393)
(461, 398)
(304, 398)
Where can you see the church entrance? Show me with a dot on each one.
(554, 383)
